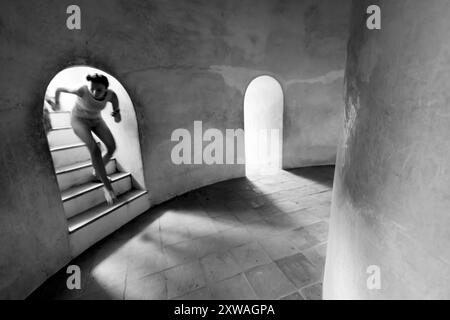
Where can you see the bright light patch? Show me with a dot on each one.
(263, 125)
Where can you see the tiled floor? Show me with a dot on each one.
(260, 237)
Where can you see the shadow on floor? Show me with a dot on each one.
(323, 174)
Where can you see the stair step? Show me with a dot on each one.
(91, 215)
(62, 136)
(94, 224)
(59, 118)
(70, 154)
(80, 198)
(80, 173)
(77, 166)
(67, 147)
(61, 128)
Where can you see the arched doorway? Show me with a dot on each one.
(89, 217)
(263, 125)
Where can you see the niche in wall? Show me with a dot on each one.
(128, 153)
(89, 217)
(263, 125)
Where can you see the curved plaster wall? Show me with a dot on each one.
(180, 61)
(390, 203)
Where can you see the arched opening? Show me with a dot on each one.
(89, 217)
(263, 125)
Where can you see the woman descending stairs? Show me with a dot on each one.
(89, 217)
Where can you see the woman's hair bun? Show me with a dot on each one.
(98, 78)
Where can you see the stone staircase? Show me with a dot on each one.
(89, 217)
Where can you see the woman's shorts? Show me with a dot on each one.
(86, 122)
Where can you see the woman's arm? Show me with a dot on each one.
(55, 104)
(116, 110)
(58, 92)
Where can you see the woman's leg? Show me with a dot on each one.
(102, 131)
(82, 129)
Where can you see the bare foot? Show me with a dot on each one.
(110, 196)
(53, 104)
(96, 178)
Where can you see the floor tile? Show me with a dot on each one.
(184, 279)
(145, 263)
(200, 294)
(201, 228)
(175, 234)
(236, 237)
(151, 239)
(287, 206)
(111, 271)
(302, 218)
(283, 223)
(152, 287)
(235, 288)
(258, 202)
(299, 270)
(302, 239)
(237, 205)
(269, 210)
(225, 222)
(318, 230)
(278, 247)
(250, 255)
(269, 282)
(313, 292)
(322, 211)
(247, 215)
(261, 229)
(180, 253)
(210, 244)
(103, 293)
(293, 296)
(317, 256)
(219, 266)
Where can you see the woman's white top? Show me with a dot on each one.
(86, 106)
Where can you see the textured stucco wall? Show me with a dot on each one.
(180, 61)
(313, 111)
(391, 194)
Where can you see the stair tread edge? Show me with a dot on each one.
(76, 166)
(91, 215)
(90, 186)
